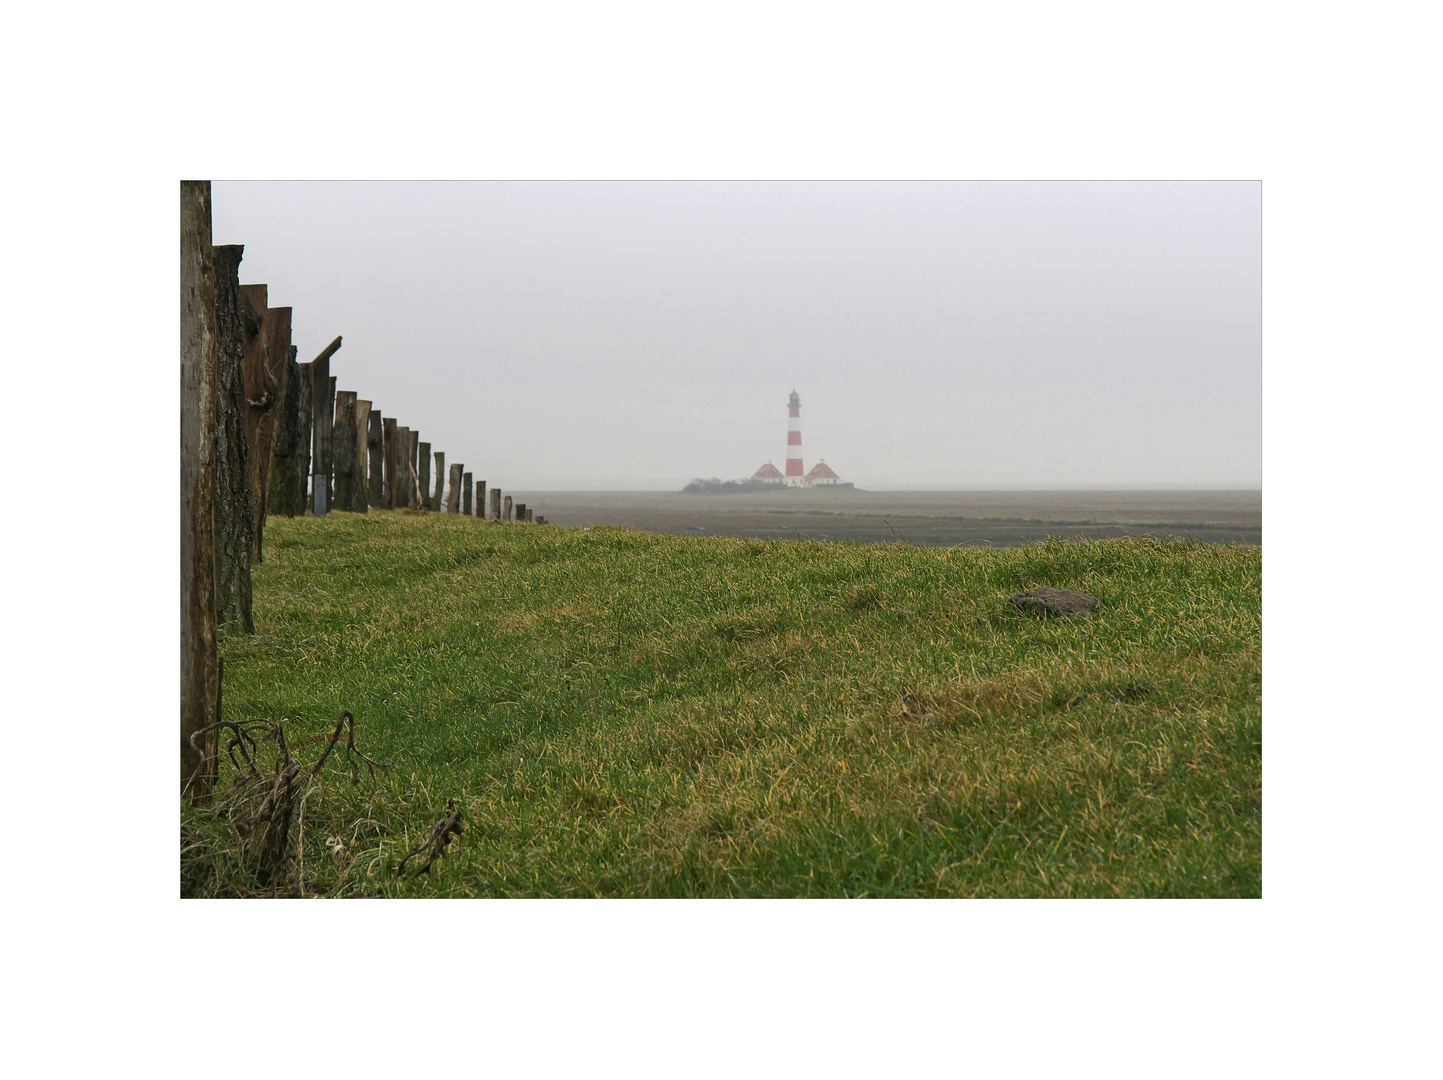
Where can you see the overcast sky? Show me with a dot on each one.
(566, 335)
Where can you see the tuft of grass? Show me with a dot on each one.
(627, 714)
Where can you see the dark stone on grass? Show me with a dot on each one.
(1063, 603)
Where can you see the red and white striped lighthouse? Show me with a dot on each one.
(794, 439)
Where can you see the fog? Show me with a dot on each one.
(635, 335)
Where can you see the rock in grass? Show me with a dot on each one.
(1060, 602)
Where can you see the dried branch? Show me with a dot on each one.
(440, 835)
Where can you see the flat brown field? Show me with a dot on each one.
(944, 518)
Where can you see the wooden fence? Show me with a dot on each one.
(263, 434)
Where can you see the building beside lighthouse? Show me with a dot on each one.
(796, 476)
(821, 474)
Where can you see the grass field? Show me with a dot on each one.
(627, 714)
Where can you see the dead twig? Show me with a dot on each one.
(440, 835)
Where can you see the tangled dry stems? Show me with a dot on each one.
(248, 837)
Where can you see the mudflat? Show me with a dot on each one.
(944, 518)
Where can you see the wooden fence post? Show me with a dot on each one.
(290, 443)
(392, 459)
(520, 511)
(495, 504)
(306, 430)
(343, 449)
(481, 499)
(423, 475)
(413, 479)
(199, 361)
(323, 410)
(403, 466)
(238, 328)
(453, 496)
(263, 414)
(361, 488)
(529, 512)
(466, 494)
(438, 496)
(507, 509)
(376, 448)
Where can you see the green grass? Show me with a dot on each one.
(628, 714)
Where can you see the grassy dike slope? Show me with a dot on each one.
(628, 714)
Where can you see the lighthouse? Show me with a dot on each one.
(794, 440)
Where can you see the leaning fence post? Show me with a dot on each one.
(453, 495)
(495, 504)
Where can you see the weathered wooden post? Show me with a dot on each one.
(438, 496)
(413, 479)
(199, 361)
(520, 511)
(481, 499)
(238, 328)
(343, 449)
(323, 410)
(507, 511)
(392, 458)
(265, 391)
(453, 495)
(290, 443)
(361, 491)
(305, 422)
(466, 494)
(423, 459)
(495, 504)
(529, 512)
(403, 466)
(376, 448)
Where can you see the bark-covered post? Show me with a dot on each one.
(376, 447)
(343, 449)
(290, 444)
(199, 360)
(506, 512)
(413, 477)
(423, 475)
(481, 499)
(238, 327)
(392, 463)
(263, 413)
(438, 496)
(361, 487)
(323, 410)
(453, 496)
(466, 494)
(495, 504)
